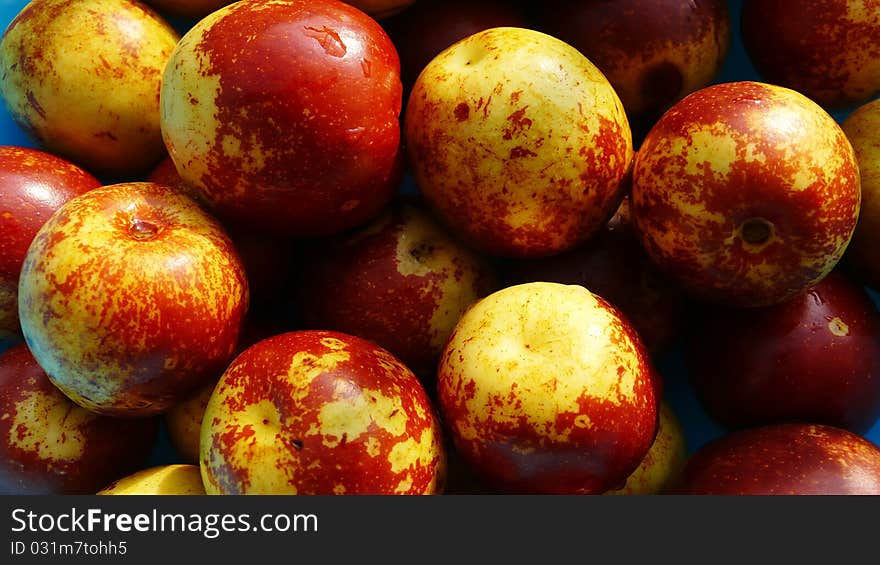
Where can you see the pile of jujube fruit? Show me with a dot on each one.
(440, 247)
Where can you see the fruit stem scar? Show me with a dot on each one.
(142, 229)
(756, 231)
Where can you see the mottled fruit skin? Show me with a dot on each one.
(813, 358)
(862, 128)
(654, 52)
(614, 265)
(746, 193)
(829, 50)
(285, 115)
(83, 77)
(662, 466)
(320, 412)
(130, 297)
(267, 259)
(518, 142)
(401, 281)
(545, 388)
(428, 27)
(49, 445)
(33, 184)
(784, 459)
(183, 420)
(175, 479)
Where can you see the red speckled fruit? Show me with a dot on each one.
(130, 297)
(653, 52)
(82, 77)
(267, 259)
(828, 50)
(614, 265)
(33, 184)
(401, 282)
(285, 114)
(784, 459)
(663, 464)
(319, 412)
(422, 31)
(49, 445)
(544, 388)
(518, 142)
(814, 358)
(746, 193)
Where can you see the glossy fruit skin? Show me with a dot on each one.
(862, 128)
(662, 466)
(267, 259)
(654, 52)
(49, 445)
(826, 49)
(319, 412)
(183, 420)
(614, 265)
(784, 459)
(130, 297)
(285, 115)
(401, 281)
(746, 193)
(33, 184)
(518, 142)
(96, 104)
(544, 388)
(428, 27)
(814, 358)
(173, 479)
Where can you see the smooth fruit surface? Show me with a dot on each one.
(318, 412)
(49, 445)
(826, 49)
(518, 142)
(746, 193)
(83, 79)
(33, 184)
(546, 389)
(285, 115)
(130, 297)
(784, 459)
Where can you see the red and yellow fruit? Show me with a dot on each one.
(130, 297)
(826, 49)
(285, 115)
(319, 412)
(663, 464)
(746, 193)
(401, 281)
(544, 388)
(83, 79)
(33, 185)
(784, 459)
(518, 142)
(49, 445)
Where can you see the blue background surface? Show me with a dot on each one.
(699, 428)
